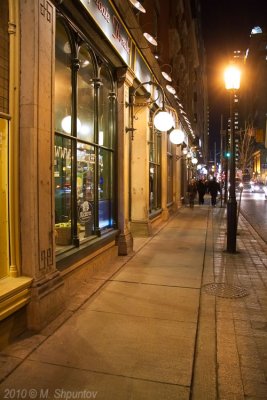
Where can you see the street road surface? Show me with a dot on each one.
(254, 209)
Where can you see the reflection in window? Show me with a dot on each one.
(62, 177)
(83, 165)
(85, 112)
(85, 189)
(169, 171)
(104, 188)
(3, 198)
(62, 82)
(105, 110)
(154, 170)
(4, 57)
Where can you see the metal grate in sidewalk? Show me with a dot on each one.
(225, 290)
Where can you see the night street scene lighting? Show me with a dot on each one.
(232, 83)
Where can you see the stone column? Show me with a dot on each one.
(36, 161)
(125, 239)
(140, 223)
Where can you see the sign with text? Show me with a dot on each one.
(110, 23)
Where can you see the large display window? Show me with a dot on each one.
(4, 139)
(154, 169)
(4, 249)
(84, 141)
(169, 171)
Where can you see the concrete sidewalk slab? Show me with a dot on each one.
(150, 301)
(139, 330)
(123, 345)
(52, 381)
(152, 331)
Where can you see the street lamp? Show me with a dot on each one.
(232, 83)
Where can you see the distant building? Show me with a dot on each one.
(255, 96)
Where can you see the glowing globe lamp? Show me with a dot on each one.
(163, 121)
(177, 136)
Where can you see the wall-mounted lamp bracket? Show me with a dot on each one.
(131, 104)
(130, 130)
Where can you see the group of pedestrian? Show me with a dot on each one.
(201, 188)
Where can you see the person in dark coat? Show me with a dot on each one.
(192, 191)
(214, 188)
(201, 189)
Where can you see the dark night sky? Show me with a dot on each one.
(226, 26)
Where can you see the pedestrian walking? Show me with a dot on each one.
(201, 189)
(192, 191)
(214, 188)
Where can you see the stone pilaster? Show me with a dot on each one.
(125, 239)
(140, 223)
(36, 160)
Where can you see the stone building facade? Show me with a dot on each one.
(83, 170)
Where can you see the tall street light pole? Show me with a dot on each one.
(232, 83)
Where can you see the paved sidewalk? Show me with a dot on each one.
(158, 324)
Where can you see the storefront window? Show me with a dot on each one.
(85, 189)
(154, 170)
(105, 185)
(105, 110)
(169, 172)
(3, 198)
(4, 57)
(4, 132)
(85, 111)
(63, 82)
(84, 152)
(63, 187)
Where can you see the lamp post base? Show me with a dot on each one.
(231, 225)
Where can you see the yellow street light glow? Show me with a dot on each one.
(232, 78)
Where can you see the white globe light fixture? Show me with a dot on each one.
(177, 136)
(163, 121)
(194, 160)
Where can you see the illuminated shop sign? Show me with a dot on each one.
(109, 22)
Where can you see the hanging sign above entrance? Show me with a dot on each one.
(111, 25)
